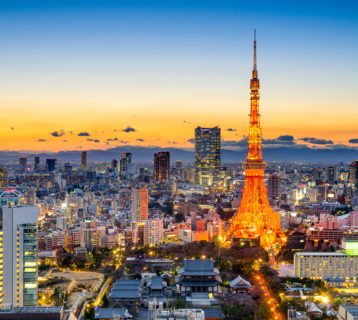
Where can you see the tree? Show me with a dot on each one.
(264, 312)
(158, 270)
(56, 296)
(179, 217)
(168, 207)
(178, 304)
(105, 301)
(89, 313)
(136, 276)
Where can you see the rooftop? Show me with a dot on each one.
(32, 310)
(202, 265)
(332, 254)
(110, 313)
(198, 268)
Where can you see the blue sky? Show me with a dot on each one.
(174, 61)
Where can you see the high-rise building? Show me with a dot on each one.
(139, 237)
(18, 244)
(316, 176)
(4, 178)
(114, 164)
(353, 174)
(162, 166)
(331, 175)
(67, 169)
(37, 163)
(125, 163)
(139, 204)
(207, 155)
(23, 163)
(322, 193)
(84, 160)
(179, 169)
(51, 164)
(274, 186)
(255, 220)
(154, 231)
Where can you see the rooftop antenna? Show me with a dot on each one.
(255, 49)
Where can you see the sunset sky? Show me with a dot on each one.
(99, 74)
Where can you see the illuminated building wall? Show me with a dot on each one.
(351, 247)
(321, 265)
(139, 237)
(207, 155)
(4, 178)
(139, 204)
(84, 160)
(18, 249)
(331, 175)
(353, 174)
(162, 166)
(154, 231)
(124, 163)
(274, 186)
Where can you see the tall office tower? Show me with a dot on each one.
(207, 156)
(84, 160)
(255, 220)
(316, 176)
(23, 163)
(139, 204)
(37, 163)
(139, 237)
(162, 166)
(353, 174)
(179, 169)
(274, 186)
(114, 164)
(67, 169)
(4, 178)
(124, 163)
(18, 245)
(154, 231)
(51, 164)
(322, 193)
(331, 175)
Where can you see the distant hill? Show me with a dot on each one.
(145, 154)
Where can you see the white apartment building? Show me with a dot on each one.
(154, 231)
(321, 265)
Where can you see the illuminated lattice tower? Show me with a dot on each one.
(255, 219)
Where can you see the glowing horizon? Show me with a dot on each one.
(164, 69)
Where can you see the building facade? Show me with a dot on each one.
(162, 166)
(18, 245)
(322, 265)
(84, 160)
(154, 231)
(139, 204)
(207, 155)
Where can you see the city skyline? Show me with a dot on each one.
(76, 85)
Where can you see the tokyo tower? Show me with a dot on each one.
(255, 219)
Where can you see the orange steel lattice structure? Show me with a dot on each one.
(255, 219)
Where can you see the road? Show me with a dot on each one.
(271, 301)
